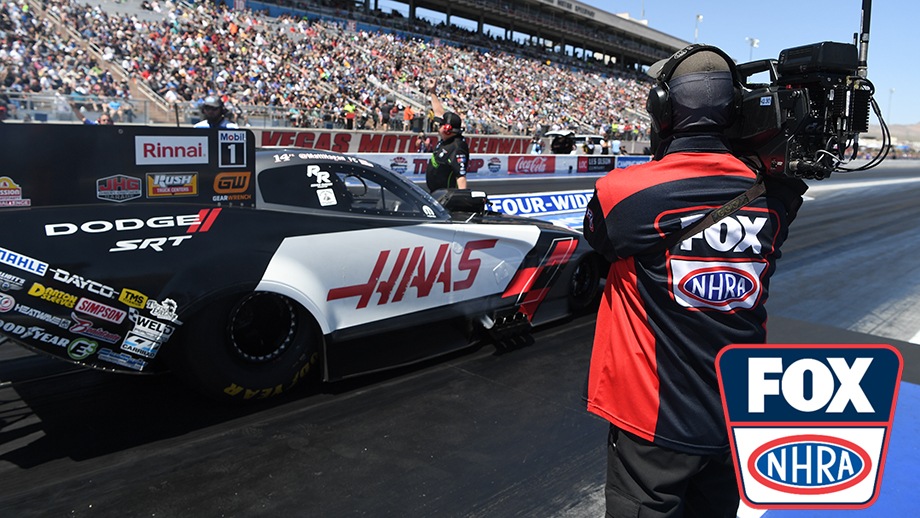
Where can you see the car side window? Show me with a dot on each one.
(341, 188)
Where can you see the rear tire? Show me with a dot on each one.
(249, 347)
(585, 283)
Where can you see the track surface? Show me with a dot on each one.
(478, 434)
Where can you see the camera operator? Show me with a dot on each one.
(669, 306)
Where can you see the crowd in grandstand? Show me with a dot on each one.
(318, 72)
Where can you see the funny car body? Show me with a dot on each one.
(144, 250)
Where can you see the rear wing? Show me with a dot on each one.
(53, 165)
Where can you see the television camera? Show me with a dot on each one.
(805, 123)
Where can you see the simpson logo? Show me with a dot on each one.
(809, 425)
(118, 188)
(100, 310)
(163, 150)
(172, 184)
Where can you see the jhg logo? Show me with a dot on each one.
(809, 424)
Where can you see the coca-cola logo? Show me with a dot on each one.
(527, 164)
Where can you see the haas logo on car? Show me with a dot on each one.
(390, 279)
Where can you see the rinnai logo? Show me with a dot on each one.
(418, 269)
(531, 164)
(161, 150)
(809, 424)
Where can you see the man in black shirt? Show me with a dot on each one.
(447, 166)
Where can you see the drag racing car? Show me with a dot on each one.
(246, 272)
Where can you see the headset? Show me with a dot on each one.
(658, 103)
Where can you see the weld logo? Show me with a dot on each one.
(809, 424)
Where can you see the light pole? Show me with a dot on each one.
(754, 44)
(696, 28)
(890, 95)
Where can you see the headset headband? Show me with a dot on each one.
(664, 75)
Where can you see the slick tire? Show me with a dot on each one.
(249, 347)
(585, 283)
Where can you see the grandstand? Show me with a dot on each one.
(326, 64)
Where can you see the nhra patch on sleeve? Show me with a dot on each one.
(809, 425)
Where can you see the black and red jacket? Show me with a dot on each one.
(664, 316)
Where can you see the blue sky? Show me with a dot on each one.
(893, 65)
(781, 24)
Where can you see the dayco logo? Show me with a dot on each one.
(200, 222)
(170, 150)
(86, 284)
(172, 184)
(408, 269)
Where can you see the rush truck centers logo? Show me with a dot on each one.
(809, 424)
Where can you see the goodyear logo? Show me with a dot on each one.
(809, 424)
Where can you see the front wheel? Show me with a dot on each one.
(247, 347)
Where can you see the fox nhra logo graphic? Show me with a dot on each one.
(809, 425)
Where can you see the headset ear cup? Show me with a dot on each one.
(447, 127)
(658, 106)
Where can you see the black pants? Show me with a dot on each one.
(644, 480)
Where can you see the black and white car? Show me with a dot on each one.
(142, 250)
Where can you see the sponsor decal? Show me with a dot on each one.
(166, 150)
(196, 223)
(81, 326)
(531, 164)
(624, 161)
(140, 346)
(809, 425)
(531, 285)
(172, 184)
(23, 262)
(232, 187)
(122, 359)
(41, 315)
(11, 194)
(391, 279)
(495, 164)
(165, 310)
(84, 284)
(544, 203)
(399, 165)
(721, 285)
(35, 333)
(150, 328)
(119, 188)
(595, 164)
(100, 310)
(81, 349)
(232, 147)
(132, 298)
(61, 298)
(6, 302)
(10, 282)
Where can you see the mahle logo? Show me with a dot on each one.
(809, 425)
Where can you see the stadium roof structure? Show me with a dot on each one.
(629, 42)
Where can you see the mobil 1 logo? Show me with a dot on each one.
(232, 146)
(809, 424)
